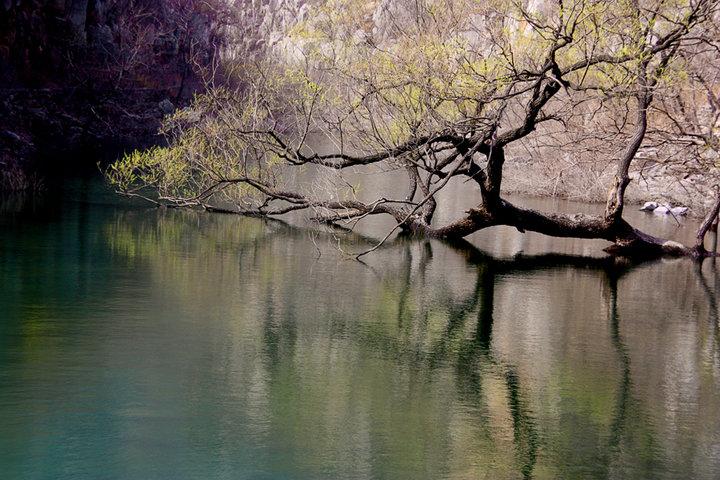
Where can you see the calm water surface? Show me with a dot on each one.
(147, 344)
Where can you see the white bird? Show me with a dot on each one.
(679, 210)
(649, 206)
(661, 210)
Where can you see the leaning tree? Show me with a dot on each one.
(438, 90)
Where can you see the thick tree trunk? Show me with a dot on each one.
(616, 197)
(626, 239)
(707, 224)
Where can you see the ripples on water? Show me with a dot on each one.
(155, 344)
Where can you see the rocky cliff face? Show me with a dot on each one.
(88, 74)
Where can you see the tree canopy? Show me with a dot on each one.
(448, 89)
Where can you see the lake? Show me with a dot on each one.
(141, 343)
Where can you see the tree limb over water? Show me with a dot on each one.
(448, 91)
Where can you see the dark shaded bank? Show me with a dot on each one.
(79, 77)
(65, 130)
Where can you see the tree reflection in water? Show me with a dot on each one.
(406, 290)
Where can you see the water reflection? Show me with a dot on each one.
(164, 344)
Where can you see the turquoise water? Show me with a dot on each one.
(139, 343)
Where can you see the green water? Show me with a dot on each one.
(152, 344)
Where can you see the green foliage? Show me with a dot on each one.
(434, 66)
